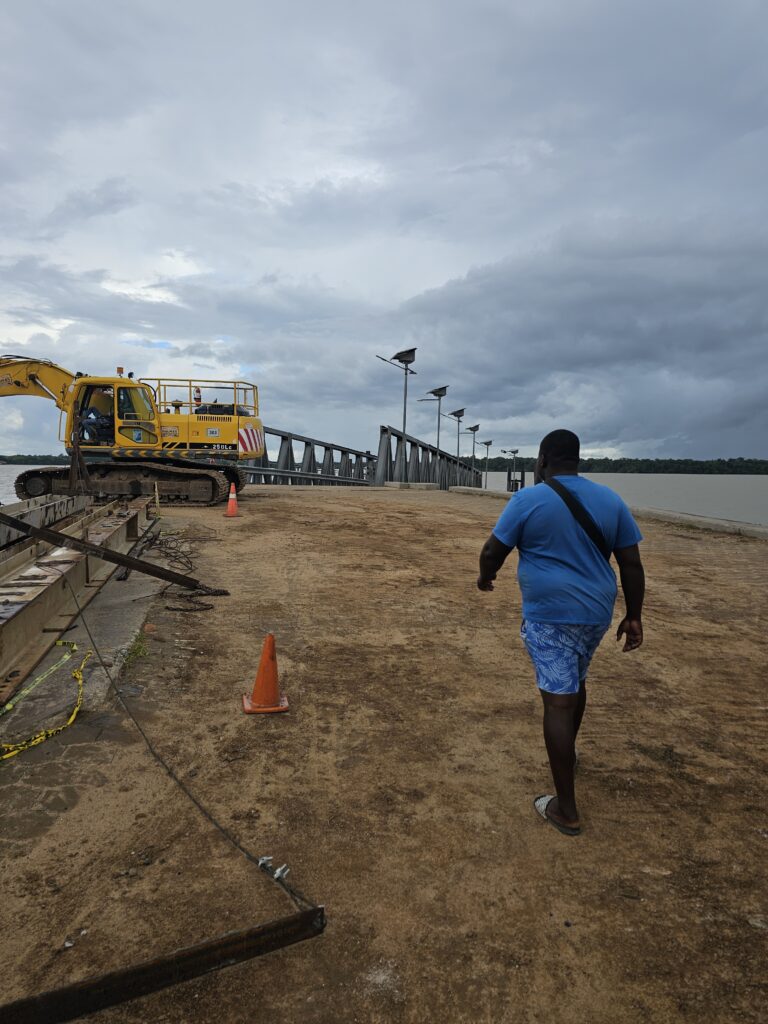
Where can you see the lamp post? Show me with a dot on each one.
(404, 358)
(487, 451)
(457, 415)
(439, 395)
(513, 452)
(473, 431)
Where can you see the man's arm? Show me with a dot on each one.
(492, 558)
(633, 584)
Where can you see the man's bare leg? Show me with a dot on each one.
(560, 714)
(581, 704)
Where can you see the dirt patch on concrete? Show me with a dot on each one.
(399, 786)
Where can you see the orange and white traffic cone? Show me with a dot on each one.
(266, 697)
(232, 512)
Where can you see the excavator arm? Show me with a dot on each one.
(39, 378)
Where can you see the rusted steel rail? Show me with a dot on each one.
(44, 511)
(92, 994)
(74, 543)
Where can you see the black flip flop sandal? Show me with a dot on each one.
(540, 805)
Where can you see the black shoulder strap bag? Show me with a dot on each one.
(582, 517)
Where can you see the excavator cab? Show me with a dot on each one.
(96, 409)
(116, 414)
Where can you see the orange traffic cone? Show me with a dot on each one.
(232, 503)
(266, 696)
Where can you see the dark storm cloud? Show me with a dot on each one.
(626, 349)
(108, 197)
(664, 346)
(561, 204)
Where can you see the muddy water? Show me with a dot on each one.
(742, 498)
(7, 475)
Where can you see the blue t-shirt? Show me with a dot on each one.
(562, 575)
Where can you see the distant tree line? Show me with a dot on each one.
(713, 466)
(34, 460)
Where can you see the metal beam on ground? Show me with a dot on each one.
(43, 511)
(127, 983)
(98, 551)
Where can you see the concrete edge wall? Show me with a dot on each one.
(479, 492)
(702, 522)
(661, 515)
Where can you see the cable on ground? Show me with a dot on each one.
(180, 559)
(277, 875)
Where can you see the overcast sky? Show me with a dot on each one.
(561, 203)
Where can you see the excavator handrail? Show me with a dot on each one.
(198, 380)
(241, 396)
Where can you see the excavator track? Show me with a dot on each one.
(175, 484)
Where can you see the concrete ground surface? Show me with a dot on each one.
(398, 787)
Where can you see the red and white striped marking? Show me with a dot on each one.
(249, 440)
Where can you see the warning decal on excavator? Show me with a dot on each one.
(170, 431)
(249, 439)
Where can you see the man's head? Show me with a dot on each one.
(558, 453)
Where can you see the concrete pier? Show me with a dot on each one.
(398, 788)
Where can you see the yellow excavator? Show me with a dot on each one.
(177, 438)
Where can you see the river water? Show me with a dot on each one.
(742, 498)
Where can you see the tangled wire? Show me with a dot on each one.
(176, 553)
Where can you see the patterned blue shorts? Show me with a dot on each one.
(560, 654)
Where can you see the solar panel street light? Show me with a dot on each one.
(439, 395)
(404, 358)
(513, 452)
(473, 431)
(487, 452)
(407, 356)
(458, 415)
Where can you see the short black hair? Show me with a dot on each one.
(561, 446)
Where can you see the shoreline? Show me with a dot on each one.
(717, 525)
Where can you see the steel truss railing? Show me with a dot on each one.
(415, 462)
(320, 463)
(323, 463)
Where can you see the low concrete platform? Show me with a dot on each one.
(480, 492)
(412, 487)
(398, 788)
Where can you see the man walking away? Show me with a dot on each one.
(565, 532)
